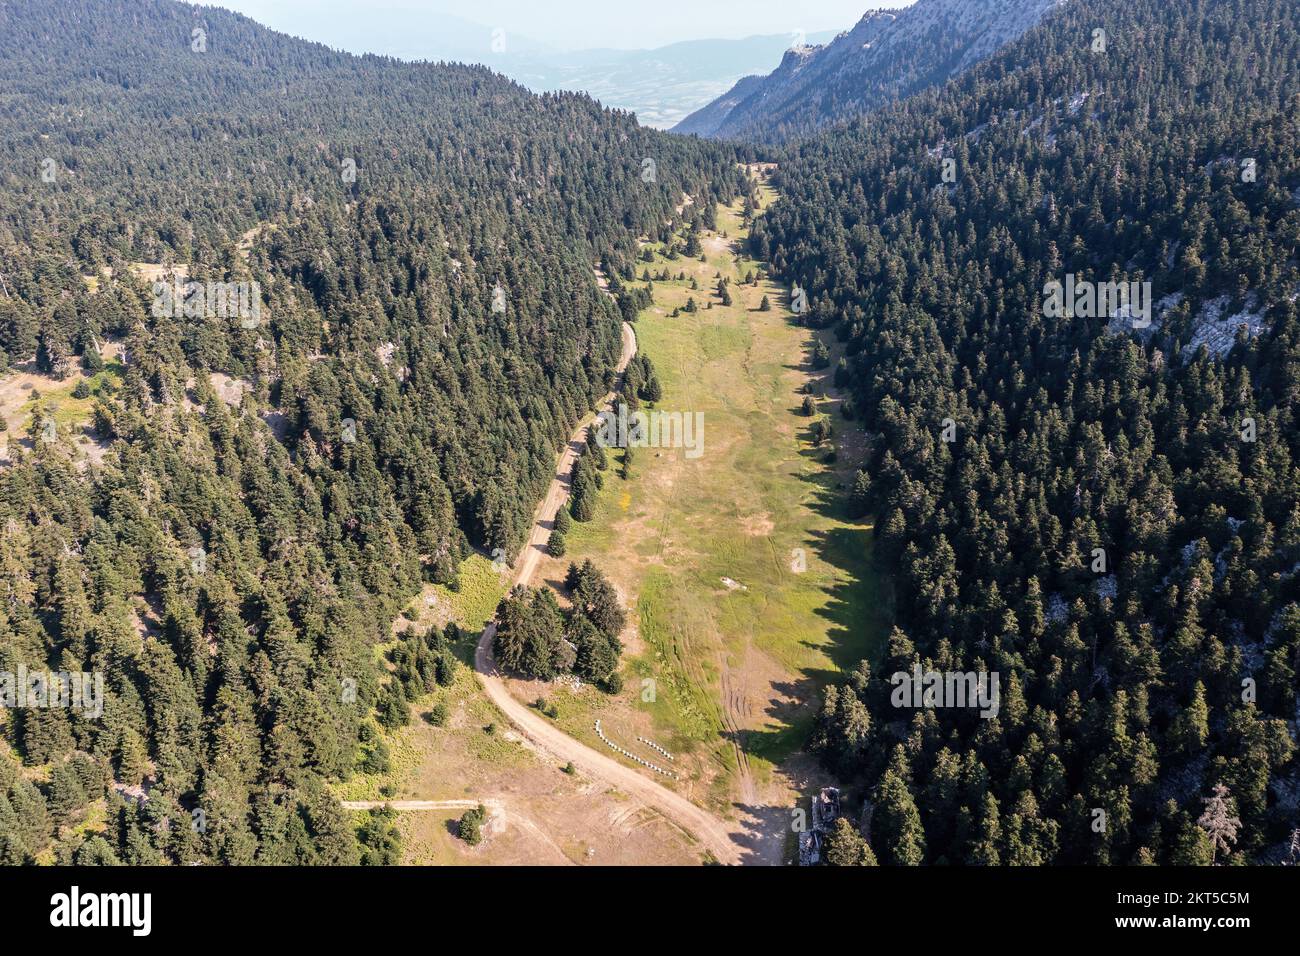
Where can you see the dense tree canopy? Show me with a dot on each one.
(430, 329)
(1103, 514)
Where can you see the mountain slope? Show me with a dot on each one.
(887, 55)
(1098, 507)
(221, 512)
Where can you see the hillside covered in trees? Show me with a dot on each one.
(1103, 510)
(887, 55)
(269, 490)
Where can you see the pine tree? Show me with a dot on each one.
(896, 824)
(844, 846)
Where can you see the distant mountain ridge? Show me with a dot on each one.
(888, 55)
(662, 85)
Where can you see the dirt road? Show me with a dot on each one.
(712, 832)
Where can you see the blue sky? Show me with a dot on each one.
(563, 24)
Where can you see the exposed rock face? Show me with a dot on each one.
(889, 54)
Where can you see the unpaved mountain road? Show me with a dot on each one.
(712, 832)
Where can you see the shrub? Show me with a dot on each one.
(471, 825)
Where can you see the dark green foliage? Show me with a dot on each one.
(255, 674)
(844, 846)
(392, 709)
(530, 635)
(596, 654)
(860, 495)
(380, 840)
(1121, 688)
(555, 544)
(595, 599)
(378, 759)
(583, 487)
(471, 825)
(536, 640)
(563, 523)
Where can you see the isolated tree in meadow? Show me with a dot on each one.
(765, 305)
(470, 828)
(809, 406)
(692, 248)
(556, 545)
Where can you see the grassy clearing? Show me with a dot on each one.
(68, 411)
(742, 659)
(410, 746)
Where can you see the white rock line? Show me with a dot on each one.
(655, 746)
(631, 756)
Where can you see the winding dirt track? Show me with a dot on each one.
(712, 832)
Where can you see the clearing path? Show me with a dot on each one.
(496, 807)
(711, 831)
(750, 587)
